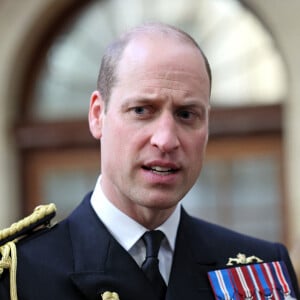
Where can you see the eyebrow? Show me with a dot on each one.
(148, 100)
(137, 100)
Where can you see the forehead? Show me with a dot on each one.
(153, 50)
(160, 59)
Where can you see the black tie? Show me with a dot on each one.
(152, 240)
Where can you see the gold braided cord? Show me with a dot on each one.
(39, 213)
(9, 261)
(8, 251)
(110, 296)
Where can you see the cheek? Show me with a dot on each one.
(197, 154)
(197, 143)
(111, 141)
(119, 140)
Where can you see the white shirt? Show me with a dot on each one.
(128, 232)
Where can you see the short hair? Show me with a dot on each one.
(108, 70)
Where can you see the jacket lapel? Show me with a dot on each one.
(100, 263)
(193, 259)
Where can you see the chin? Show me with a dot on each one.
(160, 203)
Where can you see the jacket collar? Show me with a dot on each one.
(100, 263)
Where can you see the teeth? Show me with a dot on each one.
(160, 169)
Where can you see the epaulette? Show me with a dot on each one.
(40, 218)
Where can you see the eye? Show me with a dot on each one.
(190, 116)
(139, 110)
(185, 114)
(142, 111)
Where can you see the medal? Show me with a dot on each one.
(254, 281)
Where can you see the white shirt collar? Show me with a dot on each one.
(123, 228)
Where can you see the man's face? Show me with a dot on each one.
(155, 130)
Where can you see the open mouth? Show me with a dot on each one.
(160, 170)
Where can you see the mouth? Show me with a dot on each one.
(161, 170)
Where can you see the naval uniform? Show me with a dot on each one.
(80, 259)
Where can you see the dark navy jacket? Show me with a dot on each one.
(79, 259)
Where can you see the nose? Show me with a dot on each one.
(165, 135)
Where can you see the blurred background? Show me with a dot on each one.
(50, 53)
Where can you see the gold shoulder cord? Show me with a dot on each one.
(40, 218)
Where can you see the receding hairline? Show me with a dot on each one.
(158, 28)
(169, 31)
(115, 51)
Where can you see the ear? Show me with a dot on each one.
(96, 112)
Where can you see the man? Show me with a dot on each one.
(150, 113)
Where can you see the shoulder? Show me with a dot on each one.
(34, 237)
(40, 219)
(12, 237)
(40, 226)
(229, 242)
(217, 245)
(45, 238)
